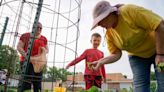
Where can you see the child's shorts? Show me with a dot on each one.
(92, 80)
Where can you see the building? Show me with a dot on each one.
(114, 81)
(117, 81)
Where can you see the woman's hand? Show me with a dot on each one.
(159, 60)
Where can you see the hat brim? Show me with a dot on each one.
(102, 16)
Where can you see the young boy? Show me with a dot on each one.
(92, 78)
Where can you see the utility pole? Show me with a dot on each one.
(4, 30)
(30, 44)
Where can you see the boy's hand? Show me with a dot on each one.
(67, 67)
(96, 65)
(90, 66)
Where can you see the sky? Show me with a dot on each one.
(58, 29)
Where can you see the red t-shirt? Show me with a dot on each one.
(41, 42)
(91, 55)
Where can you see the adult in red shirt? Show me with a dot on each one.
(92, 78)
(39, 41)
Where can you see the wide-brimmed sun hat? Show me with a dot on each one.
(101, 11)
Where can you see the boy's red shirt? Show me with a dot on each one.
(41, 42)
(91, 55)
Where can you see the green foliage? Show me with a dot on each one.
(93, 89)
(131, 89)
(8, 89)
(153, 87)
(82, 91)
(107, 90)
(152, 76)
(160, 67)
(9, 58)
(11, 90)
(46, 90)
(124, 90)
(54, 74)
(27, 91)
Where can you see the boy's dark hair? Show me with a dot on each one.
(96, 35)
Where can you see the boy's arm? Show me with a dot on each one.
(77, 60)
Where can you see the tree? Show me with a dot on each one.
(8, 59)
(125, 76)
(63, 74)
(54, 74)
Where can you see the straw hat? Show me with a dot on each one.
(101, 11)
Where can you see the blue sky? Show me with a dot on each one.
(57, 56)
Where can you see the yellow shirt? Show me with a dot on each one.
(135, 31)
